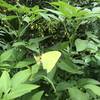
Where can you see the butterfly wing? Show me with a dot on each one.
(50, 59)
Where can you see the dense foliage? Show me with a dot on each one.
(49, 50)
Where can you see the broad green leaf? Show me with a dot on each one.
(81, 44)
(37, 96)
(20, 90)
(49, 59)
(95, 89)
(51, 74)
(67, 10)
(70, 11)
(6, 55)
(83, 13)
(68, 67)
(92, 47)
(5, 82)
(62, 86)
(33, 47)
(59, 46)
(18, 55)
(24, 63)
(86, 81)
(66, 64)
(33, 44)
(76, 94)
(96, 10)
(97, 56)
(20, 77)
(35, 68)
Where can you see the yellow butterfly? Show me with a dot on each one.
(49, 59)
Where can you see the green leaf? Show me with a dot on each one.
(39, 39)
(45, 16)
(20, 90)
(5, 82)
(0, 94)
(16, 44)
(6, 55)
(21, 9)
(76, 94)
(26, 19)
(86, 81)
(97, 55)
(20, 77)
(49, 81)
(96, 10)
(54, 11)
(33, 47)
(6, 5)
(37, 96)
(49, 59)
(51, 74)
(68, 67)
(24, 63)
(53, 17)
(67, 10)
(95, 89)
(35, 69)
(59, 46)
(4, 65)
(93, 37)
(92, 47)
(58, 13)
(33, 44)
(83, 13)
(62, 86)
(4, 17)
(66, 64)
(81, 44)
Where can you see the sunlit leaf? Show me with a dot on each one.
(81, 44)
(20, 90)
(37, 96)
(5, 82)
(86, 81)
(20, 77)
(6, 55)
(76, 94)
(24, 63)
(95, 89)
